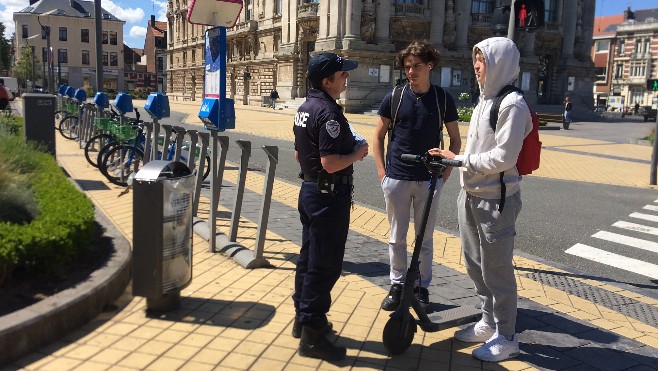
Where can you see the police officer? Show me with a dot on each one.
(325, 148)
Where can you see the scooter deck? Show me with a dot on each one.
(450, 318)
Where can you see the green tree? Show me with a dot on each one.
(5, 50)
(22, 70)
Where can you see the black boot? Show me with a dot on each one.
(297, 329)
(313, 344)
(392, 301)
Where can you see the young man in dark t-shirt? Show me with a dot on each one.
(418, 127)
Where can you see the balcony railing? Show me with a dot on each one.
(405, 10)
(307, 10)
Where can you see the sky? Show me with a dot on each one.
(136, 13)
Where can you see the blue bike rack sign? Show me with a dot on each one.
(217, 111)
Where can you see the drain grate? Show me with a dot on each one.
(622, 304)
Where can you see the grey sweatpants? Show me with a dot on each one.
(401, 196)
(488, 245)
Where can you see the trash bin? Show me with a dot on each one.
(162, 233)
(39, 116)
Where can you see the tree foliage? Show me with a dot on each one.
(5, 50)
(22, 70)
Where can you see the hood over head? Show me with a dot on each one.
(501, 57)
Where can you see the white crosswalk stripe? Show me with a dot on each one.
(614, 260)
(632, 247)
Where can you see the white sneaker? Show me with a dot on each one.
(475, 333)
(497, 349)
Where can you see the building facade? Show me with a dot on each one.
(273, 39)
(155, 50)
(626, 55)
(73, 41)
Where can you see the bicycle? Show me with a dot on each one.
(122, 161)
(98, 145)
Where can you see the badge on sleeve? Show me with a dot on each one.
(333, 128)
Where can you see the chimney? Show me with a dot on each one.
(628, 14)
(152, 21)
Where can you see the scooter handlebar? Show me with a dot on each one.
(422, 158)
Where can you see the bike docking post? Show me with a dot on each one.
(80, 97)
(205, 139)
(180, 134)
(123, 103)
(157, 106)
(101, 102)
(245, 146)
(272, 160)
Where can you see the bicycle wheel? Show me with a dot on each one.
(121, 162)
(206, 171)
(68, 127)
(95, 146)
(59, 115)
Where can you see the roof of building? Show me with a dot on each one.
(138, 51)
(159, 28)
(68, 8)
(607, 25)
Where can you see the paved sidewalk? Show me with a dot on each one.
(232, 318)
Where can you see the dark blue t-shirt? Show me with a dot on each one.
(416, 130)
(321, 129)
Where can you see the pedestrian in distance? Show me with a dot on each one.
(566, 116)
(274, 95)
(412, 116)
(487, 229)
(326, 149)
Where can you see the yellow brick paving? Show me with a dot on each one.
(217, 331)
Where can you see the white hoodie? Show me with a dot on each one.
(487, 154)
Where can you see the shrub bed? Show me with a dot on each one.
(58, 221)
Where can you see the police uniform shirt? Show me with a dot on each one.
(416, 131)
(321, 129)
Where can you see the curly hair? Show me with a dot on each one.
(421, 49)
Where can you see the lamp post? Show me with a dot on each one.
(51, 68)
(27, 41)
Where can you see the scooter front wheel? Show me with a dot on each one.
(399, 333)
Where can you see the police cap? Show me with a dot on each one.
(326, 64)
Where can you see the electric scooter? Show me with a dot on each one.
(401, 326)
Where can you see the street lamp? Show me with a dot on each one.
(32, 50)
(51, 68)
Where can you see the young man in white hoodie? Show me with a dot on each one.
(487, 234)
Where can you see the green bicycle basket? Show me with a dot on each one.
(104, 123)
(125, 132)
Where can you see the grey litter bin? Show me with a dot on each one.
(39, 116)
(162, 233)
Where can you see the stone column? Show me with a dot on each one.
(285, 21)
(382, 22)
(323, 15)
(569, 20)
(463, 13)
(335, 21)
(353, 19)
(588, 29)
(438, 15)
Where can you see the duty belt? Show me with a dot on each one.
(338, 179)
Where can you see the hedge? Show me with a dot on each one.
(64, 225)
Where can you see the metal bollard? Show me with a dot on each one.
(245, 145)
(216, 178)
(205, 138)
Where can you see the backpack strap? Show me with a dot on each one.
(493, 121)
(396, 100)
(442, 111)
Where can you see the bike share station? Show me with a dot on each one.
(218, 114)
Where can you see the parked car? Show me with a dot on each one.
(649, 113)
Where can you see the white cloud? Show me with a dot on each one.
(130, 15)
(161, 15)
(7, 10)
(137, 31)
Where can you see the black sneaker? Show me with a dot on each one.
(392, 301)
(423, 297)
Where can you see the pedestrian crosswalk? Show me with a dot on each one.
(629, 245)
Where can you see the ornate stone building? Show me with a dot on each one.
(273, 39)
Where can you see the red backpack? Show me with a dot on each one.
(528, 160)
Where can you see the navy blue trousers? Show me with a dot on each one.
(325, 222)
